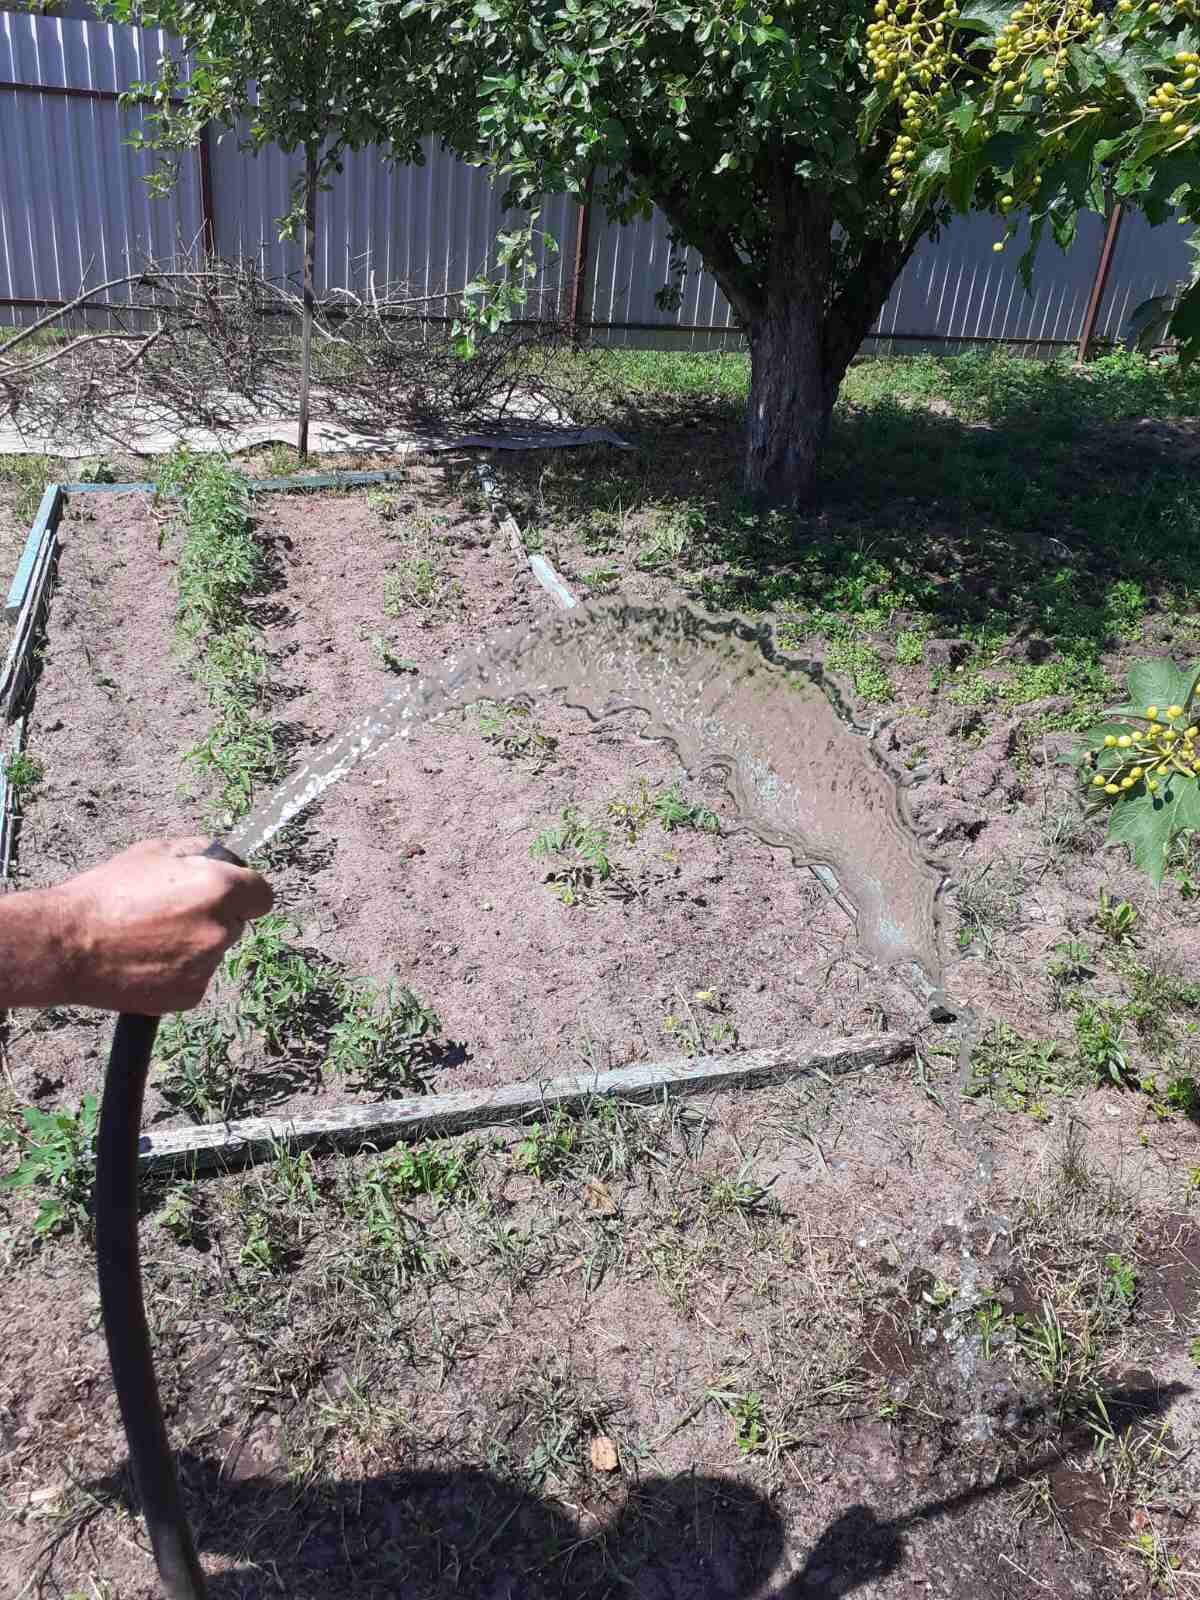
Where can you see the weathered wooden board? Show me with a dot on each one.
(225, 1145)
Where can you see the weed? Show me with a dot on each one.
(417, 581)
(584, 849)
(910, 648)
(1161, 1565)
(29, 475)
(1099, 1041)
(291, 1178)
(973, 690)
(990, 902)
(1119, 1285)
(383, 653)
(1116, 920)
(429, 1171)
(197, 1074)
(1072, 966)
(672, 535)
(57, 1152)
(703, 1023)
(395, 1250)
(181, 1216)
(603, 580)
(384, 1038)
(1016, 1073)
(739, 1192)
(266, 1247)
(747, 1413)
(25, 774)
(864, 667)
(95, 470)
(278, 460)
(548, 1149)
(1194, 1351)
(384, 504)
(673, 812)
(278, 987)
(510, 729)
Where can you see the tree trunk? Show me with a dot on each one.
(791, 403)
(805, 327)
(790, 397)
(310, 253)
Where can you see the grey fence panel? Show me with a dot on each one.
(430, 227)
(74, 205)
(956, 288)
(1147, 261)
(627, 267)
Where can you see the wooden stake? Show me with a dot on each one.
(223, 1146)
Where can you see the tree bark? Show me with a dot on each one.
(791, 404)
(803, 336)
(310, 254)
(791, 398)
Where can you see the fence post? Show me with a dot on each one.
(310, 252)
(208, 225)
(583, 236)
(1100, 282)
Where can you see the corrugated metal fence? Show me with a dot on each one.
(74, 207)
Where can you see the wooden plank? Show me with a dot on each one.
(12, 677)
(48, 513)
(8, 807)
(137, 486)
(7, 817)
(552, 582)
(225, 1145)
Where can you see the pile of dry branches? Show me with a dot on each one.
(211, 343)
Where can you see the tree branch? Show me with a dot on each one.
(861, 298)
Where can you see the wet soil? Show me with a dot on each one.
(417, 868)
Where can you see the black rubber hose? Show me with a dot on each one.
(123, 1307)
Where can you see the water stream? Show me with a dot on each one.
(801, 774)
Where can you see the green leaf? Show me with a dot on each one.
(989, 15)
(1147, 823)
(1002, 151)
(1185, 324)
(1157, 683)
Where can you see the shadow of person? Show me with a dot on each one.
(857, 1547)
(423, 1535)
(413, 1535)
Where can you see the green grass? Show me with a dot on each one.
(25, 774)
(26, 478)
(981, 497)
(222, 566)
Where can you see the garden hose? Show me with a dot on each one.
(122, 1305)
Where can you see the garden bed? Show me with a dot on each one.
(416, 872)
(859, 1335)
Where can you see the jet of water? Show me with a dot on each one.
(722, 695)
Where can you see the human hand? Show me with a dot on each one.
(145, 931)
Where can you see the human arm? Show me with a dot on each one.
(144, 932)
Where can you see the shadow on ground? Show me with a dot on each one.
(466, 1531)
